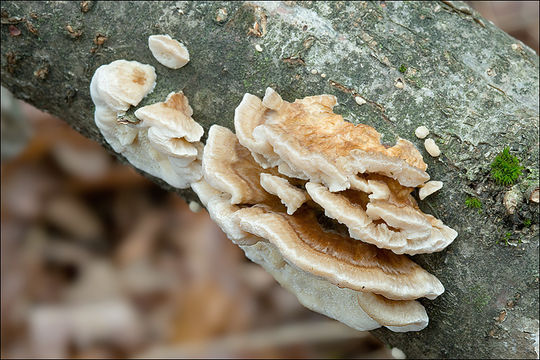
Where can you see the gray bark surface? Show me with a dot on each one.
(463, 79)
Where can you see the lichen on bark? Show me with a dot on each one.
(415, 63)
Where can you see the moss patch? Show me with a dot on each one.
(505, 168)
(473, 203)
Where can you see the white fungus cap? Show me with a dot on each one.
(432, 148)
(421, 132)
(272, 100)
(404, 229)
(168, 52)
(429, 188)
(359, 100)
(173, 114)
(122, 84)
(114, 88)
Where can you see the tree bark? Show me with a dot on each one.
(437, 64)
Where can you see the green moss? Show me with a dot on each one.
(402, 69)
(527, 222)
(474, 203)
(505, 168)
(506, 237)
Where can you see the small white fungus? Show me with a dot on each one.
(359, 100)
(168, 51)
(432, 148)
(258, 48)
(398, 353)
(429, 188)
(421, 132)
(194, 206)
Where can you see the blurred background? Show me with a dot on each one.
(98, 262)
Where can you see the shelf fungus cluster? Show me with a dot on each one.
(326, 208)
(161, 139)
(319, 202)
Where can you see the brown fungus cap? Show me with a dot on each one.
(360, 310)
(340, 259)
(317, 144)
(422, 234)
(367, 187)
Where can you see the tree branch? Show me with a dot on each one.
(471, 84)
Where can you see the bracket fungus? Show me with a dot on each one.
(402, 229)
(165, 142)
(306, 139)
(360, 310)
(278, 186)
(114, 88)
(277, 158)
(229, 167)
(339, 259)
(168, 52)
